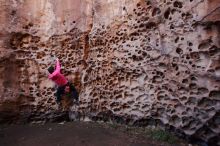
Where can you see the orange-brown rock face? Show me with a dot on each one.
(138, 62)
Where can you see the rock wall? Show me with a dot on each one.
(137, 62)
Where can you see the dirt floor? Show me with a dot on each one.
(75, 134)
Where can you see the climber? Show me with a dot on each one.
(64, 86)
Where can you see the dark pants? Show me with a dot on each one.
(61, 91)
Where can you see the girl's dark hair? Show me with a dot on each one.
(51, 69)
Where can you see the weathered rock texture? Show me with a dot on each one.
(138, 62)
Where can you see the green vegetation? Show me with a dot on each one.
(156, 134)
(162, 135)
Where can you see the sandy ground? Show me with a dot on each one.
(73, 134)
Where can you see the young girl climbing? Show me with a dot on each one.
(64, 86)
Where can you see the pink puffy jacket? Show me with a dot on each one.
(57, 77)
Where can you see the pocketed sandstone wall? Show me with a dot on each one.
(138, 62)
